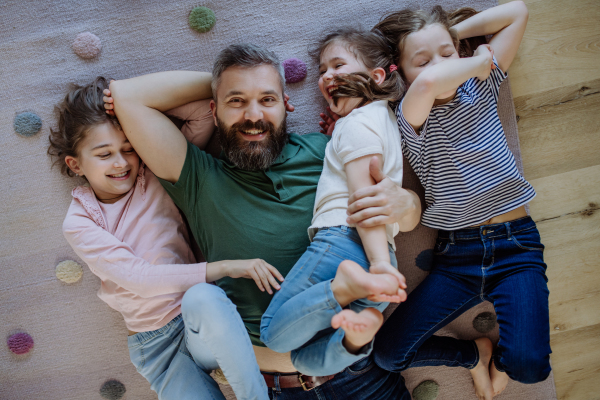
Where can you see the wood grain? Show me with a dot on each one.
(561, 46)
(560, 138)
(576, 363)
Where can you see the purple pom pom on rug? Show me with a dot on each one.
(87, 45)
(20, 343)
(295, 70)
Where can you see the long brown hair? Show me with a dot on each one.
(373, 51)
(396, 26)
(81, 110)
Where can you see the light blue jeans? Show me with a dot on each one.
(299, 316)
(209, 334)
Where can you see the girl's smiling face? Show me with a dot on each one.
(426, 48)
(337, 60)
(108, 161)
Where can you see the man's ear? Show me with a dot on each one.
(213, 109)
(378, 75)
(73, 164)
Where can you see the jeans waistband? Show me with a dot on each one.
(504, 229)
(143, 337)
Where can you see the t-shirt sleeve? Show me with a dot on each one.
(111, 259)
(359, 137)
(497, 76)
(410, 139)
(185, 192)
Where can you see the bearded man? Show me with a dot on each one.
(256, 201)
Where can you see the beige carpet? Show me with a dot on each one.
(79, 342)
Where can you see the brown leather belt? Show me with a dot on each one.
(294, 379)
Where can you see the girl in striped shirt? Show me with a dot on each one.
(488, 248)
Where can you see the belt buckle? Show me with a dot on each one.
(303, 384)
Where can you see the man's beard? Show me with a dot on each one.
(252, 155)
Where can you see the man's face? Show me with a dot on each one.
(250, 114)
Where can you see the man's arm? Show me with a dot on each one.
(384, 203)
(139, 104)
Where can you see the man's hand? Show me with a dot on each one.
(328, 122)
(263, 273)
(108, 102)
(383, 203)
(288, 106)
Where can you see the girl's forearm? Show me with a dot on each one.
(447, 76)
(375, 243)
(164, 90)
(492, 20)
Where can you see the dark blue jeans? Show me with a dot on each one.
(501, 263)
(365, 380)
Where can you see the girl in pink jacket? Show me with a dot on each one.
(131, 235)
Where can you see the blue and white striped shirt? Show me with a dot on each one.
(462, 159)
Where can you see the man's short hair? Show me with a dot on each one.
(244, 55)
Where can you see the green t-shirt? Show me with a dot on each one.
(236, 214)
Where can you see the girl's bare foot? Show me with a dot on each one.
(352, 282)
(481, 373)
(360, 328)
(499, 379)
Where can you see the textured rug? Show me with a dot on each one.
(71, 345)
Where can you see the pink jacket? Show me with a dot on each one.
(138, 247)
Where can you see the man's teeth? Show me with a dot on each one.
(119, 175)
(253, 132)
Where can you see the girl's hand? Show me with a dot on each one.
(328, 122)
(485, 50)
(108, 102)
(263, 273)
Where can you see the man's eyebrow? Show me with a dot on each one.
(271, 92)
(233, 93)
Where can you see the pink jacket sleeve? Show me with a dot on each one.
(113, 260)
(198, 121)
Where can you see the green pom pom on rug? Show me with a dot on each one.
(426, 390)
(202, 19)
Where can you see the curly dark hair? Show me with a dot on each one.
(81, 110)
(372, 50)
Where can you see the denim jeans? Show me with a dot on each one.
(209, 334)
(365, 380)
(502, 263)
(299, 316)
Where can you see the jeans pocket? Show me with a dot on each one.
(441, 247)
(528, 240)
(361, 366)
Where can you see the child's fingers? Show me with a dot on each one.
(107, 99)
(270, 277)
(264, 279)
(274, 271)
(256, 279)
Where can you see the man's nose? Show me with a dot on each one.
(253, 112)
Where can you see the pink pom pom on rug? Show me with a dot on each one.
(20, 343)
(87, 45)
(295, 70)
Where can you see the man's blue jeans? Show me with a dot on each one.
(299, 316)
(178, 358)
(502, 263)
(365, 380)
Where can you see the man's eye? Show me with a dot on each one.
(269, 99)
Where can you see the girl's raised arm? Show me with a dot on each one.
(506, 22)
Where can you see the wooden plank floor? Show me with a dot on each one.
(556, 87)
